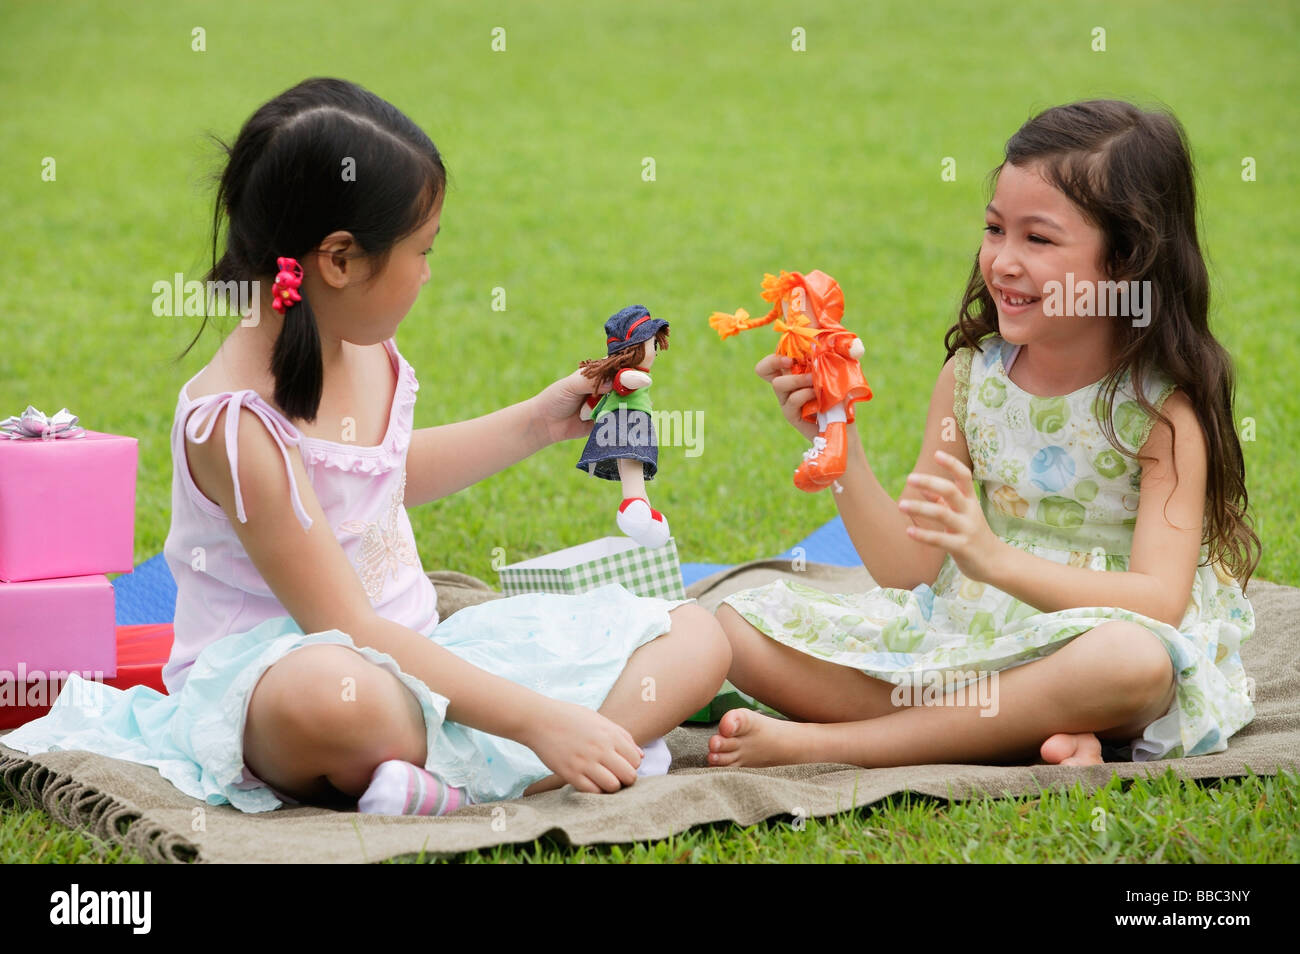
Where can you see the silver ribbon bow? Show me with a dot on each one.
(32, 424)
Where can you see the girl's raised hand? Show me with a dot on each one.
(793, 391)
(973, 545)
(589, 751)
(556, 408)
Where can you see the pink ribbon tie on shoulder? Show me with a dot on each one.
(281, 433)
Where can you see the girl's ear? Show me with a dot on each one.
(335, 257)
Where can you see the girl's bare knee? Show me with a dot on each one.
(321, 694)
(276, 705)
(323, 710)
(1140, 656)
(741, 635)
(709, 644)
(1136, 662)
(729, 619)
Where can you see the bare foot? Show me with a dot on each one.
(746, 737)
(1066, 748)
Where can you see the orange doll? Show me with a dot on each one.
(806, 310)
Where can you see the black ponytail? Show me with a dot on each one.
(286, 186)
(296, 363)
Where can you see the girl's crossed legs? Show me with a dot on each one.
(302, 739)
(1111, 681)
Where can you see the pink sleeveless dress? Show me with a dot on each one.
(219, 590)
(230, 628)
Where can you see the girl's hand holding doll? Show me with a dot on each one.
(975, 548)
(973, 545)
(556, 409)
(793, 391)
(450, 457)
(806, 312)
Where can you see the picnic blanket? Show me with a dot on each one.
(132, 804)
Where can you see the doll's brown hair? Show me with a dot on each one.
(604, 369)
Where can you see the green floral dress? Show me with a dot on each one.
(1052, 485)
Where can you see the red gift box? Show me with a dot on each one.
(67, 506)
(142, 651)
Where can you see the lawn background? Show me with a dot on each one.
(765, 158)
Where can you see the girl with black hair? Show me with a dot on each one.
(309, 662)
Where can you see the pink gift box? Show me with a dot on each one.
(67, 506)
(61, 625)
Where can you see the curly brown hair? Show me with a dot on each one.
(604, 369)
(1130, 173)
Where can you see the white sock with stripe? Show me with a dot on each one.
(401, 788)
(656, 760)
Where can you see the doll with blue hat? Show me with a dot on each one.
(622, 445)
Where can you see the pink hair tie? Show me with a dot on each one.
(284, 293)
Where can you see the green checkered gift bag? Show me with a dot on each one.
(589, 565)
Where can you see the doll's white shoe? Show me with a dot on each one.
(633, 516)
(646, 526)
(658, 533)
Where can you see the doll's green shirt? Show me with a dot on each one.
(638, 400)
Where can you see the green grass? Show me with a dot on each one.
(1162, 819)
(1139, 820)
(765, 158)
(31, 837)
